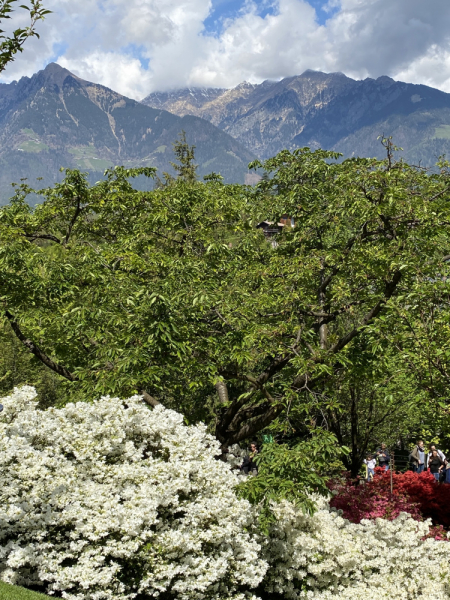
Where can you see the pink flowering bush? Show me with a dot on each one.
(416, 494)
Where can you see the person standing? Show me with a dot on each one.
(383, 457)
(447, 472)
(432, 447)
(436, 464)
(249, 465)
(419, 457)
(253, 452)
(370, 463)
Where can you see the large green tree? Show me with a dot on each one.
(177, 294)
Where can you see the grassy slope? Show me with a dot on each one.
(12, 592)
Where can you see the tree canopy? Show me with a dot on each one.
(177, 293)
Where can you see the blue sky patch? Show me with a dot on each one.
(323, 12)
(137, 52)
(230, 9)
(59, 50)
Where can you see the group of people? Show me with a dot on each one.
(433, 459)
(420, 459)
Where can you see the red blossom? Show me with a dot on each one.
(416, 494)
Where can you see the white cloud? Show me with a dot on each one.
(252, 48)
(431, 69)
(382, 37)
(111, 42)
(116, 71)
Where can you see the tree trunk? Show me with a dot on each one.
(355, 459)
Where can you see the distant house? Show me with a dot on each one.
(270, 228)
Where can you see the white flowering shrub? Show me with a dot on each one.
(325, 557)
(236, 455)
(111, 500)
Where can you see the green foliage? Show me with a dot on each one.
(185, 155)
(19, 367)
(12, 44)
(370, 400)
(293, 473)
(213, 177)
(422, 343)
(174, 291)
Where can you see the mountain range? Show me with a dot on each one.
(331, 111)
(55, 119)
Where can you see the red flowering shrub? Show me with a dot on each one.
(433, 499)
(418, 495)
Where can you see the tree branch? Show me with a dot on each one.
(249, 429)
(230, 414)
(72, 222)
(278, 364)
(299, 382)
(42, 236)
(34, 349)
(247, 413)
(222, 391)
(149, 399)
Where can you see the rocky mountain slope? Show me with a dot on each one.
(55, 119)
(331, 111)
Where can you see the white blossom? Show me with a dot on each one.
(325, 557)
(108, 500)
(105, 500)
(236, 455)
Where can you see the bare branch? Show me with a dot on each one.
(149, 399)
(222, 391)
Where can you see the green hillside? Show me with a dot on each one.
(424, 136)
(13, 592)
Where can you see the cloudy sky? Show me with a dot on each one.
(139, 46)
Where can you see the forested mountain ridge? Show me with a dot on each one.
(331, 111)
(55, 119)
